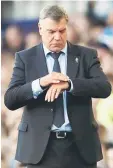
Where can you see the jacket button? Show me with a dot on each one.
(51, 110)
(35, 97)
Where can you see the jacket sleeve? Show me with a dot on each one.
(19, 92)
(96, 85)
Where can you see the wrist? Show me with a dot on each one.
(42, 86)
(69, 86)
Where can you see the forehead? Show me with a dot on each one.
(52, 24)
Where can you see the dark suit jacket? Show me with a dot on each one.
(89, 81)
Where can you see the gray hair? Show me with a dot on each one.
(53, 12)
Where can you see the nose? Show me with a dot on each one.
(57, 36)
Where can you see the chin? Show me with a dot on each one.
(56, 49)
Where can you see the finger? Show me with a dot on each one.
(62, 77)
(53, 92)
(55, 81)
(59, 76)
(57, 93)
(47, 97)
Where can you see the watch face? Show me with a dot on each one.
(69, 81)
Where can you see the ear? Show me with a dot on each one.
(40, 28)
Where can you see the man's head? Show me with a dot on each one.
(53, 27)
(13, 37)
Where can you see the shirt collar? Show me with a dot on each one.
(46, 50)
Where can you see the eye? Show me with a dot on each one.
(51, 32)
(63, 31)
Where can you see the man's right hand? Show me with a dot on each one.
(54, 77)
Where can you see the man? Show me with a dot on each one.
(55, 81)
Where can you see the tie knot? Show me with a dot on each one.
(55, 55)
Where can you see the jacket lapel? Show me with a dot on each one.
(73, 59)
(41, 60)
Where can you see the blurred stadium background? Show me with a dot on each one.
(91, 24)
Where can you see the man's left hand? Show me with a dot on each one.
(54, 91)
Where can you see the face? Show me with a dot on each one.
(13, 37)
(54, 34)
(106, 61)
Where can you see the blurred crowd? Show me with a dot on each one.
(91, 30)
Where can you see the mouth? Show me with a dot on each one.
(56, 45)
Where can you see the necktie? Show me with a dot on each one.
(59, 109)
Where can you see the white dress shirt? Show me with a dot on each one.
(38, 90)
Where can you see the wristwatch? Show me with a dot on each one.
(69, 82)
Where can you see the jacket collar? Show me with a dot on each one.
(73, 59)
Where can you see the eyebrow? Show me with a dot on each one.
(55, 30)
